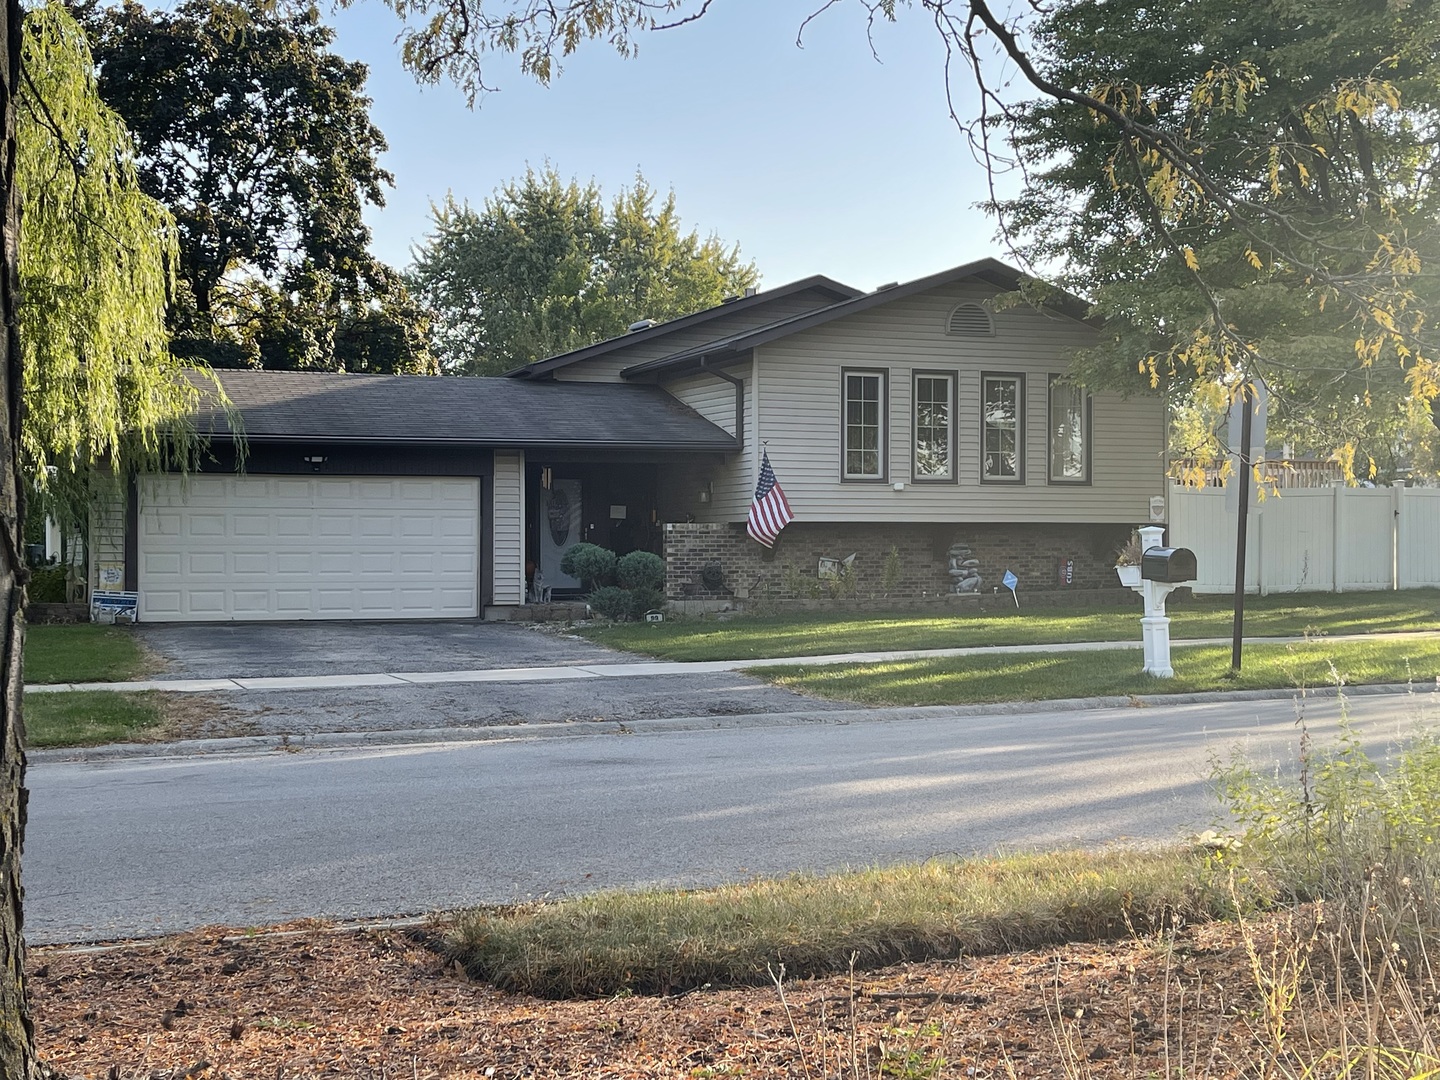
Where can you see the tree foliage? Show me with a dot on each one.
(546, 266)
(259, 140)
(1264, 205)
(100, 383)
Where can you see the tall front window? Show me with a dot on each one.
(864, 425)
(934, 427)
(1002, 428)
(1069, 433)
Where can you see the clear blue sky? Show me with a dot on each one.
(815, 160)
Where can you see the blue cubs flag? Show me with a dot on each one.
(769, 512)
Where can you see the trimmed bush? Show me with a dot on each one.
(591, 563)
(643, 600)
(611, 602)
(641, 570)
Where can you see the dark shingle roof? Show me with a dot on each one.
(276, 406)
(819, 283)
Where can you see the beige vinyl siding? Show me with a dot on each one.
(607, 368)
(107, 531)
(798, 397)
(714, 399)
(507, 516)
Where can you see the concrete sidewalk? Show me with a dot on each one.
(630, 670)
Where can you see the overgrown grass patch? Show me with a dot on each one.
(816, 633)
(83, 653)
(996, 677)
(91, 718)
(666, 941)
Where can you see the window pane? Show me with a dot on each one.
(1000, 408)
(1068, 457)
(932, 426)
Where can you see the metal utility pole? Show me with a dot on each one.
(1242, 527)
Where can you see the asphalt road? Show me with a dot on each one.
(143, 846)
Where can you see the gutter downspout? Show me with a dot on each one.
(739, 385)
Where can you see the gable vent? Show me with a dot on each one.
(970, 320)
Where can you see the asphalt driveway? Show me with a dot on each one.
(257, 650)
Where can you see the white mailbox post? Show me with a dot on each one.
(1155, 624)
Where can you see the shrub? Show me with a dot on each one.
(1343, 829)
(592, 564)
(611, 602)
(643, 600)
(641, 570)
(47, 585)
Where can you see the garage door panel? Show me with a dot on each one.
(205, 601)
(293, 603)
(252, 562)
(249, 525)
(163, 602)
(201, 564)
(205, 525)
(158, 564)
(377, 564)
(251, 602)
(303, 548)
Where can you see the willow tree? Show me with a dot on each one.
(89, 379)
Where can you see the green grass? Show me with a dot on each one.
(816, 633)
(668, 941)
(91, 718)
(973, 680)
(82, 653)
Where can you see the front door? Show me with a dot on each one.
(559, 527)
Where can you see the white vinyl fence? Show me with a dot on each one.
(1314, 539)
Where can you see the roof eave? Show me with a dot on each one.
(720, 446)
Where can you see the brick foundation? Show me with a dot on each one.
(919, 571)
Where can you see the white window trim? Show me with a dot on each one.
(883, 436)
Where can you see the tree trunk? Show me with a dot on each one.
(17, 1036)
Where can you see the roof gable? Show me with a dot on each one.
(991, 271)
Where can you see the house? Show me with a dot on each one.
(919, 428)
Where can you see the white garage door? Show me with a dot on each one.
(297, 547)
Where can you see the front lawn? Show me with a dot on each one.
(817, 633)
(83, 653)
(91, 718)
(995, 677)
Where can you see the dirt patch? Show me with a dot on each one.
(379, 1004)
(196, 716)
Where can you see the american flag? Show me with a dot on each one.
(770, 512)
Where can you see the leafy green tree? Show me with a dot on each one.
(546, 266)
(86, 351)
(259, 140)
(1285, 234)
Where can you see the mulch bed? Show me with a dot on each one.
(375, 1004)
